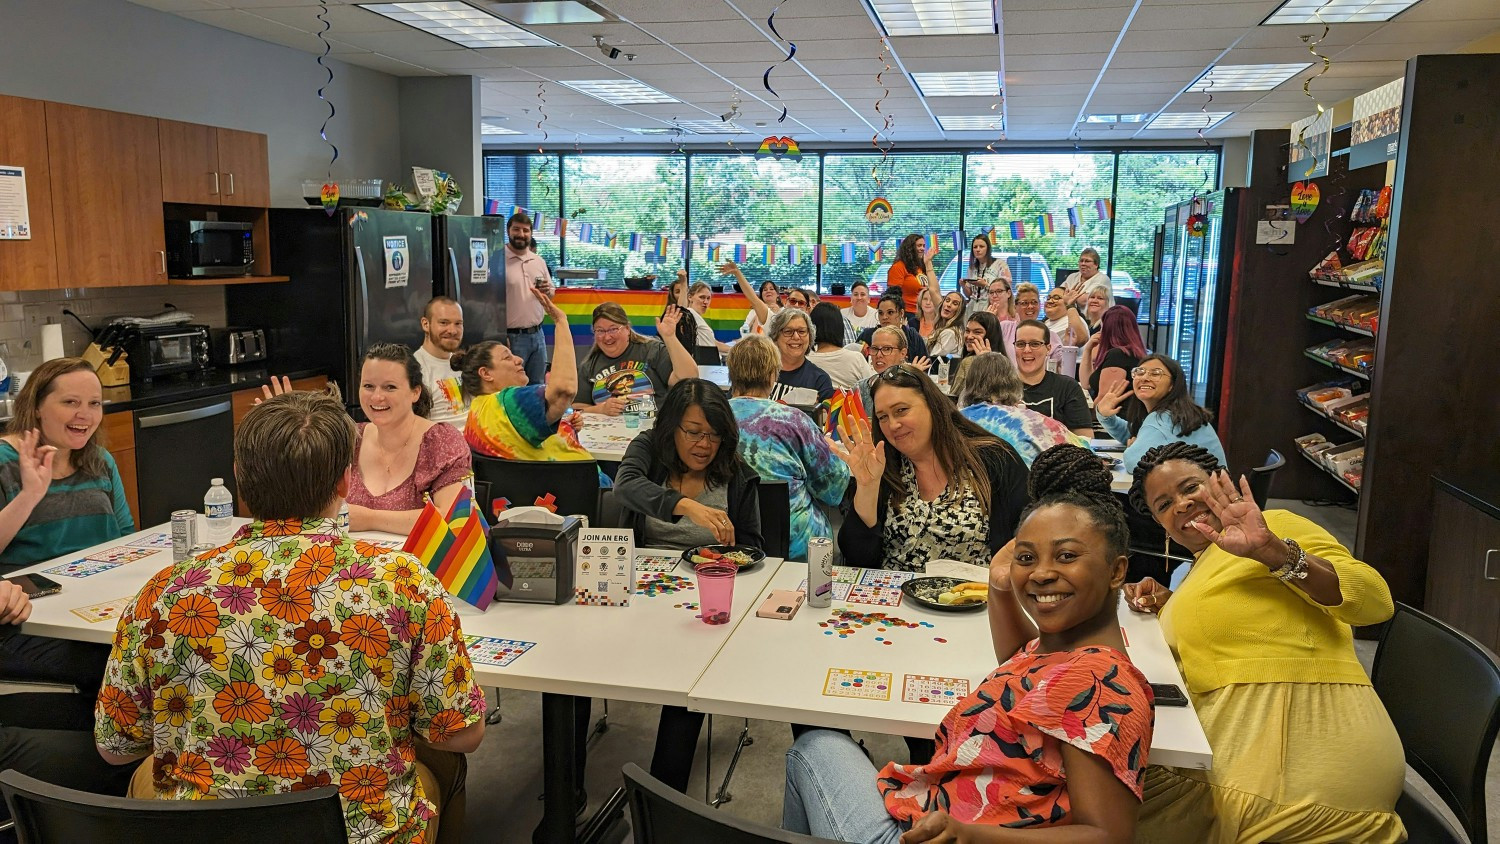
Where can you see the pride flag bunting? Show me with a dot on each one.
(1044, 224)
(662, 241)
(793, 254)
(686, 250)
(1105, 209)
(491, 207)
(585, 232)
(1017, 230)
(958, 242)
(611, 239)
(560, 227)
(820, 254)
(847, 253)
(633, 241)
(714, 251)
(768, 253)
(1073, 217)
(456, 550)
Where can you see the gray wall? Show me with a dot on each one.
(440, 130)
(116, 55)
(1236, 166)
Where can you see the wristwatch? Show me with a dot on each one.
(1296, 569)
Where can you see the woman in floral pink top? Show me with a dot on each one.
(1056, 736)
(400, 457)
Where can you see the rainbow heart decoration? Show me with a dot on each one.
(1305, 196)
(879, 210)
(782, 147)
(329, 196)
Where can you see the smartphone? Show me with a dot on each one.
(36, 585)
(782, 604)
(538, 281)
(1168, 694)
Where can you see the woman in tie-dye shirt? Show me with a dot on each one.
(782, 443)
(508, 418)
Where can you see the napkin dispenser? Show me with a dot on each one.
(539, 547)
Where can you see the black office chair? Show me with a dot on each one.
(775, 518)
(1442, 691)
(1262, 475)
(46, 813)
(573, 484)
(661, 815)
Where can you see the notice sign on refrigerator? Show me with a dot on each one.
(479, 260)
(396, 259)
(15, 219)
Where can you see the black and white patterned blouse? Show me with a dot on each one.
(952, 526)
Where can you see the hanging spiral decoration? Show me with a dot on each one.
(541, 110)
(888, 120)
(1312, 47)
(327, 48)
(791, 51)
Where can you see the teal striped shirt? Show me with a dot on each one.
(76, 513)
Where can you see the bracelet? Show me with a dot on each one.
(1295, 569)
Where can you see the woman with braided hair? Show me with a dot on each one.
(1261, 628)
(1013, 761)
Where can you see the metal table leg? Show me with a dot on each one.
(559, 744)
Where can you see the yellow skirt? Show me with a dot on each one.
(1293, 762)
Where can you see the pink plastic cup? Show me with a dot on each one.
(715, 591)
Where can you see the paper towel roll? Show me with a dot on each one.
(52, 342)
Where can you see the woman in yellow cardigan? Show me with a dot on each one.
(1261, 628)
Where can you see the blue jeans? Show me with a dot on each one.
(830, 792)
(531, 348)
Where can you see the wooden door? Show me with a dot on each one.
(28, 264)
(245, 167)
(118, 438)
(189, 163)
(106, 195)
(1457, 590)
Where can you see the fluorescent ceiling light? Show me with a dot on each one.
(487, 127)
(650, 130)
(963, 83)
(971, 122)
(1188, 120)
(708, 127)
(936, 17)
(1117, 118)
(460, 23)
(1247, 77)
(540, 12)
(1337, 11)
(619, 91)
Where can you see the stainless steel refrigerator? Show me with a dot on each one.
(470, 267)
(359, 277)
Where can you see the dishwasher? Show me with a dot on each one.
(179, 449)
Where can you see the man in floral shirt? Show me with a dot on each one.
(295, 657)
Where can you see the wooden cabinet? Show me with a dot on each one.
(28, 264)
(106, 192)
(245, 164)
(119, 440)
(189, 163)
(1463, 566)
(205, 165)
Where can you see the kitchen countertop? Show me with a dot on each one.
(214, 382)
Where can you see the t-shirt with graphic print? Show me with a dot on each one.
(645, 369)
(442, 381)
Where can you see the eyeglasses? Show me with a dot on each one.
(1030, 344)
(1143, 372)
(793, 332)
(884, 350)
(1027, 303)
(998, 289)
(900, 372)
(609, 332)
(700, 436)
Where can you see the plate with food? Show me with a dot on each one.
(744, 557)
(949, 594)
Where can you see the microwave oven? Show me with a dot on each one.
(158, 350)
(208, 248)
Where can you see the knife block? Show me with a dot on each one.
(109, 376)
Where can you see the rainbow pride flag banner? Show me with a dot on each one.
(1044, 224)
(611, 239)
(1105, 209)
(456, 550)
(768, 254)
(876, 253)
(1017, 230)
(714, 251)
(662, 242)
(492, 207)
(740, 252)
(993, 236)
(932, 242)
(843, 409)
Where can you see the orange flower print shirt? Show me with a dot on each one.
(292, 658)
(998, 760)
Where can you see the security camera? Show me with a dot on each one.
(608, 51)
(731, 114)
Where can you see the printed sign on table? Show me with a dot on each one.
(604, 571)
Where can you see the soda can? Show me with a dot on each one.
(184, 534)
(819, 571)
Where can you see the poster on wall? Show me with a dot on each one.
(15, 219)
(1376, 131)
(396, 259)
(1309, 157)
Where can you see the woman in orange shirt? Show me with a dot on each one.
(912, 271)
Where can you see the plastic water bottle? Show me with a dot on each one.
(218, 511)
(344, 516)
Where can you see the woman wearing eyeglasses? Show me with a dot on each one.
(801, 381)
(928, 483)
(1171, 415)
(682, 484)
(623, 365)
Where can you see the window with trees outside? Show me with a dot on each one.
(626, 193)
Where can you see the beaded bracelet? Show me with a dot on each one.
(1296, 569)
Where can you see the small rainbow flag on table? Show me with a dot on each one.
(456, 550)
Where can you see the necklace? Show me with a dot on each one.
(392, 454)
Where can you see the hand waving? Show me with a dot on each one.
(275, 388)
(866, 460)
(923, 363)
(1108, 403)
(980, 345)
(1000, 567)
(550, 307)
(729, 268)
(667, 325)
(35, 462)
(1243, 527)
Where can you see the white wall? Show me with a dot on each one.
(116, 55)
(440, 129)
